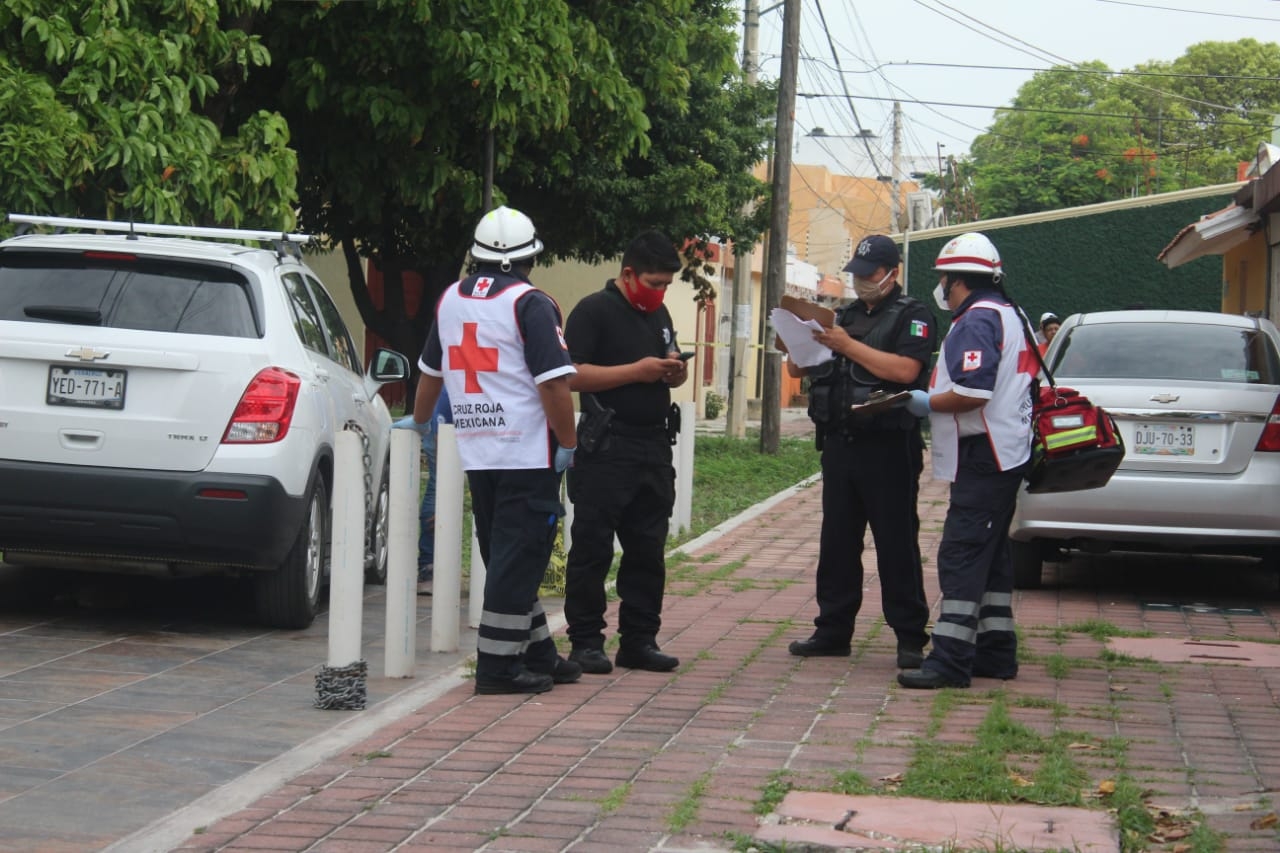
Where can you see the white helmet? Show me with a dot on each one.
(971, 252)
(505, 235)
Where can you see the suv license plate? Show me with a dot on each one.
(1164, 440)
(93, 387)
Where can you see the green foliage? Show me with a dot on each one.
(1082, 135)
(604, 119)
(713, 405)
(114, 109)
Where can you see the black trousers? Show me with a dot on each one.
(974, 634)
(871, 478)
(517, 513)
(627, 490)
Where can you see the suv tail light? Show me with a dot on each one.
(265, 409)
(1270, 439)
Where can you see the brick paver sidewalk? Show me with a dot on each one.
(638, 761)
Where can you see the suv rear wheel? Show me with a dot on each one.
(1028, 563)
(289, 597)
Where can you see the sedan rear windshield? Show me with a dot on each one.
(124, 292)
(1168, 351)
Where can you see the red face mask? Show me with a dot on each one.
(642, 297)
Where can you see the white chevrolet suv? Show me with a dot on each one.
(168, 404)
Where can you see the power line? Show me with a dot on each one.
(1190, 11)
(1056, 69)
(1045, 111)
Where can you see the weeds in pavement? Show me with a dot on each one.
(687, 809)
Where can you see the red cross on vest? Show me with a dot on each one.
(472, 358)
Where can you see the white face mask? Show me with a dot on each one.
(869, 291)
(940, 297)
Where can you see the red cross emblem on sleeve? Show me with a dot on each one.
(472, 359)
(972, 359)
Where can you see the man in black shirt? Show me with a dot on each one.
(622, 482)
(871, 463)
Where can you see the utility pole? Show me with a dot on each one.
(736, 414)
(895, 170)
(780, 213)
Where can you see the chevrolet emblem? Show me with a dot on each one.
(1164, 398)
(87, 354)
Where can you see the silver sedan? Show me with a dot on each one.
(1196, 396)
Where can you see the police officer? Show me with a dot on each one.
(624, 347)
(497, 346)
(871, 463)
(979, 405)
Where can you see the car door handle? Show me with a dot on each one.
(322, 375)
(359, 401)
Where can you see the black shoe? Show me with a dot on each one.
(1004, 675)
(646, 657)
(593, 661)
(910, 656)
(561, 672)
(926, 679)
(816, 647)
(523, 682)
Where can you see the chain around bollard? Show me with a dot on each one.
(342, 688)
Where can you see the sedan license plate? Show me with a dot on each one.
(93, 387)
(1164, 440)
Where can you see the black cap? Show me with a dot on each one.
(873, 253)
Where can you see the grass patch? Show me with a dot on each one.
(615, 798)
(687, 809)
(1008, 763)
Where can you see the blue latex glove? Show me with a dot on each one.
(407, 422)
(423, 430)
(564, 458)
(918, 405)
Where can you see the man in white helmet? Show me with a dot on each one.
(498, 347)
(979, 407)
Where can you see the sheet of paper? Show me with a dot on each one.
(797, 334)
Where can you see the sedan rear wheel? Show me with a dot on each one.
(289, 597)
(1028, 563)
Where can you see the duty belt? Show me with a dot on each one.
(637, 431)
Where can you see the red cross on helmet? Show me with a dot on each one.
(971, 252)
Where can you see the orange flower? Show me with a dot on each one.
(1082, 140)
(1103, 174)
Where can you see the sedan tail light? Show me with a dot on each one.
(1270, 439)
(265, 409)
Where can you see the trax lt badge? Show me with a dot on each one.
(87, 354)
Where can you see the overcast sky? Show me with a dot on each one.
(896, 49)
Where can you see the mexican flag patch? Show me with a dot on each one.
(919, 329)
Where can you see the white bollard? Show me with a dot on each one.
(446, 590)
(475, 589)
(402, 554)
(346, 579)
(683, 514)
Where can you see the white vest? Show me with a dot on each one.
(1005, 419)
(498, 417)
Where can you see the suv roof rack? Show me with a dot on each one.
(283, 241)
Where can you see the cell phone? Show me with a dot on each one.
(685, 356)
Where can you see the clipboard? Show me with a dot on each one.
(880, 401)
(805, 310)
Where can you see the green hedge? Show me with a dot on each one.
(1093, 262)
